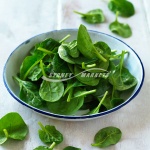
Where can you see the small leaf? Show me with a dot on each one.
(120, 29)
(12, 126)
(93, 16)
(49, 134)
(124, 7)
(71, 148)
(106, 137)
(51, 91)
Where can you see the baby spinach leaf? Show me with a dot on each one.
(92, 16)
(29, 93)
(42, 148)
(120, 29)
(71, 148)
(92, 81)
(12, 126)
(71, 48)
(106, 137)
(49, 134)
(59, 65)
(86, 46)
(29, 63)
(124, 7)
(121, 78)
(71, 84)
(51, 91)
(96, 110)
(66, 108)
(63, 54)
(35, 73)
(116, 101)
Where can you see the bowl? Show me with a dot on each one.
(11, 68)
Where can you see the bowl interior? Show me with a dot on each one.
(132, 62)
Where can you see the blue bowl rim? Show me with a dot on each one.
(67, 117)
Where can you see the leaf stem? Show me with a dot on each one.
(44, 50)
(66, 37)
(99, 105)
(42, 127)
(6, 133)
(85, 93)
(42, 68)
(70, 95)
(79, 13)
(90, 66)
(100, 56)
(52, 145)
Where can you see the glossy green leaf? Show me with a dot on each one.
(66, 108)
(120, 29)
(106, 137)
(93, 16)
(86, 46)
(49, 134)
(51, 91)
(92, 81)
(12, 126)
(124, 7)
(71, 148)
(29, 93)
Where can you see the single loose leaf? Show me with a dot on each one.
(49, 134)
(107, 136)
(93, 16)
(71, 148)
(12, 126)
(120, 29)
(124, 7)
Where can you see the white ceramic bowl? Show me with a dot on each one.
(15, 59)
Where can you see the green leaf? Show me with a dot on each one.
(35, 74)
(12, 126)
(42, 148)
(59, 65)
(71, 148)
(121, 78)
(92, 81)
(51, 91)
(124, 7)
(29, 93)
(106, 137)
(66, 108)
(31, 61)
(93, 16)
(49, 134)
(120, 29)
(71, 48)
(85, 45)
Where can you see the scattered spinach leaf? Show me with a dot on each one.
(124, 7)
(49, 134)
(107, 136)
(92, 16)
(71, 148)
(12, 126)
(120, 29)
